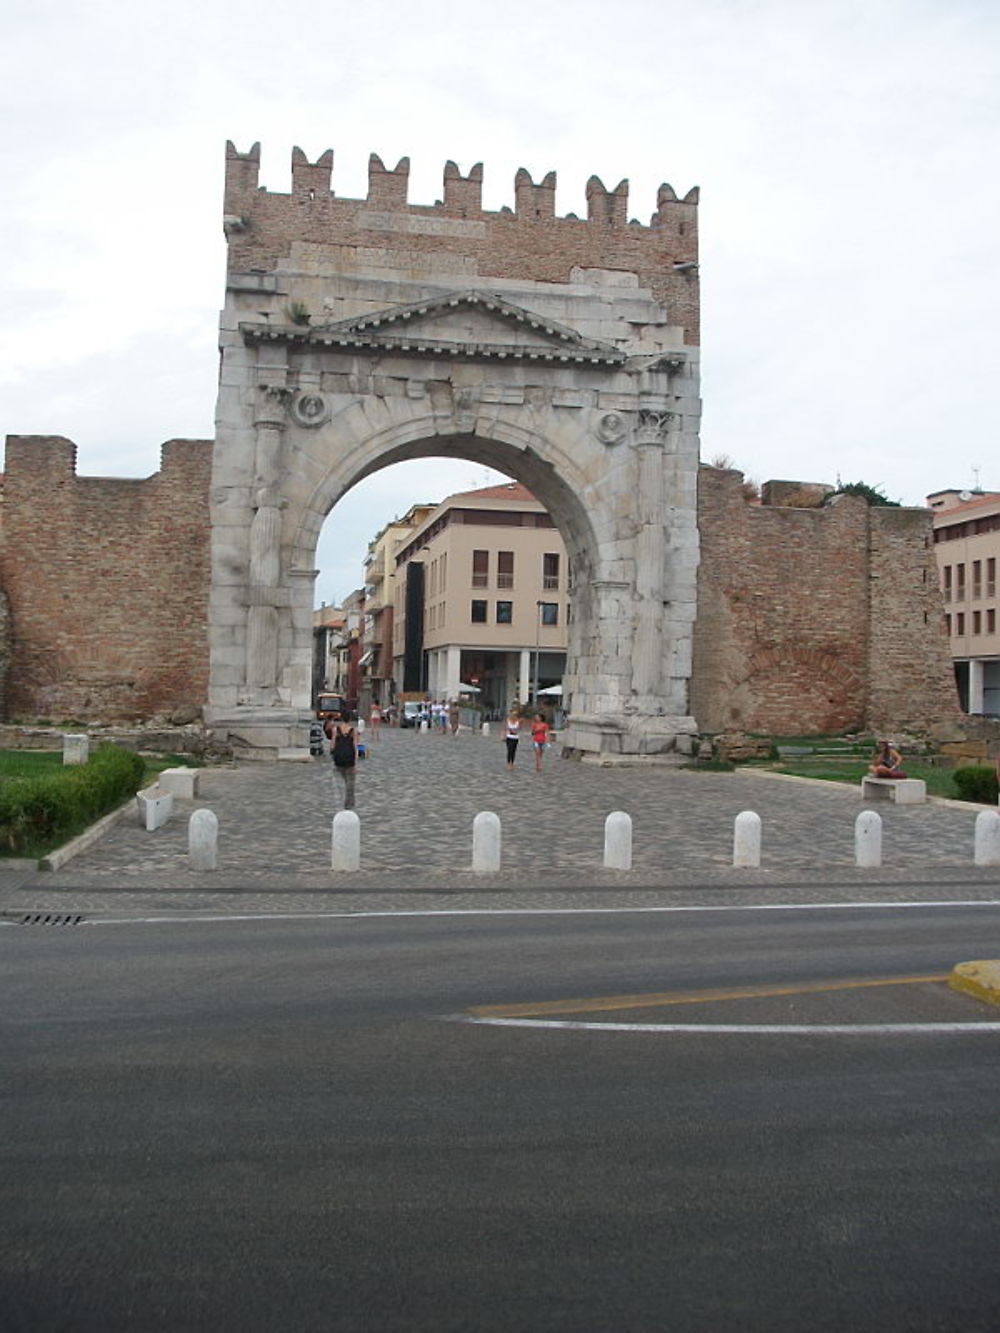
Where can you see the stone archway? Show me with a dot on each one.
(582, 389)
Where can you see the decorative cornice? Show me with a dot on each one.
(389, 330)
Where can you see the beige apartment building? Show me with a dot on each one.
(967, 544)
(376, 665)
(482, 599)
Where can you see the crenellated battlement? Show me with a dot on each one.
(455, 235)
(387, 188)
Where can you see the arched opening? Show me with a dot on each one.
(466, 588)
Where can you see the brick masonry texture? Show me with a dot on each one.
(107, 581)
(808, 619)
(816, 620)
(529, 243)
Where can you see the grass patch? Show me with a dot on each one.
(29, 763)
(38, 763)
(940, 781)
(44, 803)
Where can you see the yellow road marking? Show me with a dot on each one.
(653, 1000)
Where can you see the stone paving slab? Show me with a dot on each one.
(419, 793)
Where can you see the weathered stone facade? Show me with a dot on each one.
(561, 351)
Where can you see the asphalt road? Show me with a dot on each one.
(275, 1124)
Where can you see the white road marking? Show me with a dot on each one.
(746, 1029)
(365, 914)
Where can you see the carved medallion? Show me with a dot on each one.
(612, 427)
(310, 409)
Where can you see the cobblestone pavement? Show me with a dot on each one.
(417, 795)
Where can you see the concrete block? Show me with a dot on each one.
(182, 782)
(76, 748)
(155, 807)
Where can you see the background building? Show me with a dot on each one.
(967, 544)
(482, 599)
(337, 647)
(377, 683)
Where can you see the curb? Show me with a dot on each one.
(948, 801)
(980, 979)
(57, 859)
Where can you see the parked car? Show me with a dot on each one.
(409, 715)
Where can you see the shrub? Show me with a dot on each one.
(37, 814)
(976, 782)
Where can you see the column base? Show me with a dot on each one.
(262, 733)
(631, 738)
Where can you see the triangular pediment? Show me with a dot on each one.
(475, 324)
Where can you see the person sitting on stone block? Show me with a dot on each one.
(888, 762)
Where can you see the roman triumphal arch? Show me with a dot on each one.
(561, 350)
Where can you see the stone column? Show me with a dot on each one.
(524, 675)
(453, 676)
(650, 550)
(264, 574)
(976, 704)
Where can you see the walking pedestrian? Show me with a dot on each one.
(375, 720)
(512, 735)
(539, 739)
(344, 753)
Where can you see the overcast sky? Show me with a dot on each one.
(848, 153)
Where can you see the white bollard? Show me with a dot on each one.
(76, 748)
(203, 840)
(618, 841)
(486, 843)
(868, 840)
(988, 838)
(486, 728)
(425, 725)
(346, 853)
(746, 839)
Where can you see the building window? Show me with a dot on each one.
(977, 580)
(505, 613)
(478, 612)
(960, 624)
(959, 583)
(991, 577)
(550, 613)
(505, 569)
(991, 622)
(947, 626)
(946, 574)
(977, 622)
(480, 569)
(550, 569)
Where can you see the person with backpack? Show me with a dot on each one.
(344, 753)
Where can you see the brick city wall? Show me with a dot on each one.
(809, 619)
(107, 582)
(817, 619)
(527, 243)
(910, 674)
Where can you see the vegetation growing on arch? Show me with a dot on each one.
(874, 495)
